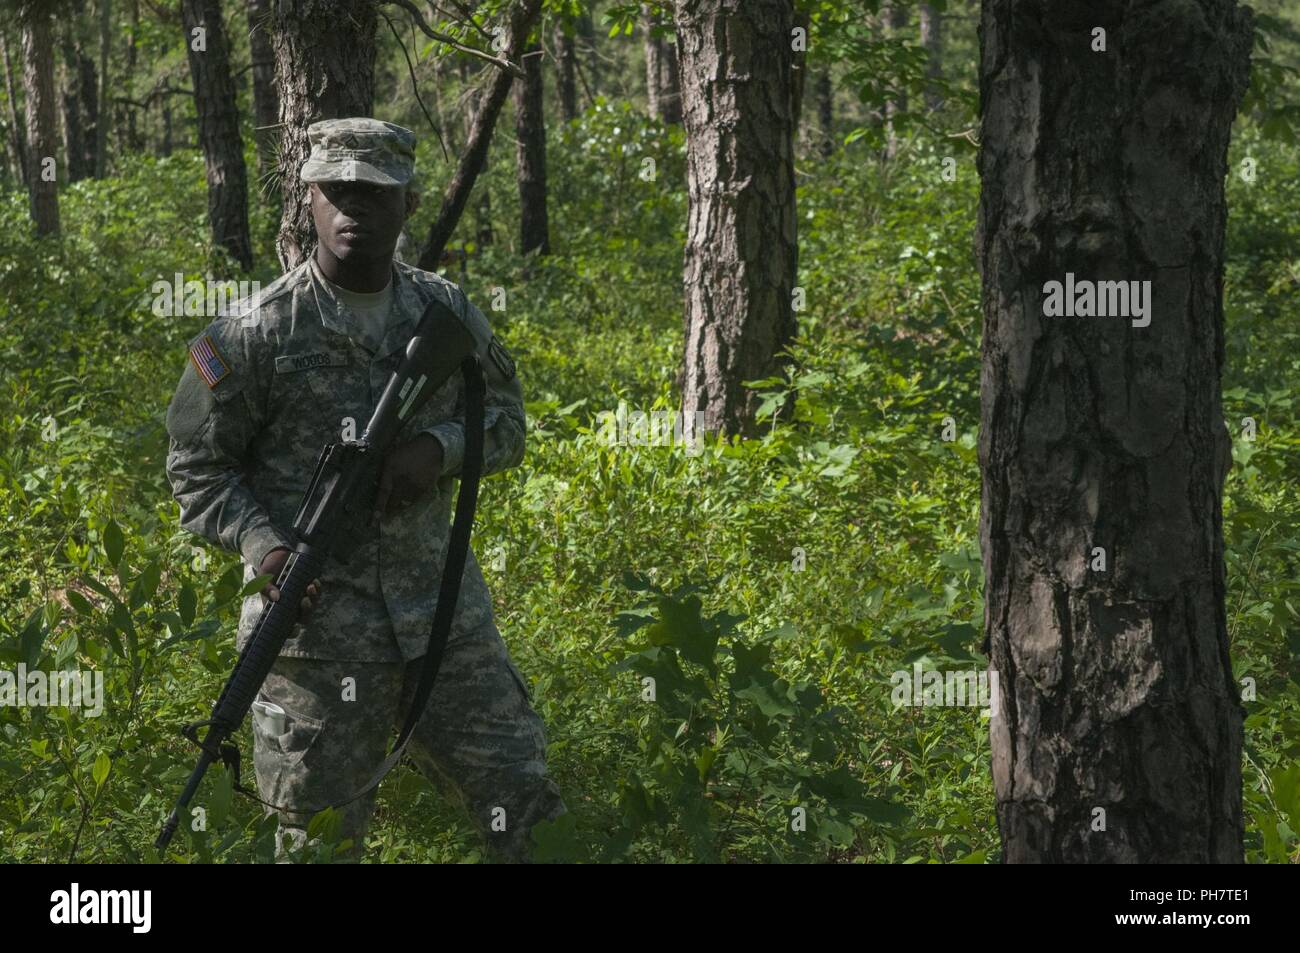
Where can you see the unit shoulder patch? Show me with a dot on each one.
(501, 358)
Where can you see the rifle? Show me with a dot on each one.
(334, 510)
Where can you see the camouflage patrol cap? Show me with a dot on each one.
(359, 150)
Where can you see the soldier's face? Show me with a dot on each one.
(358, 221)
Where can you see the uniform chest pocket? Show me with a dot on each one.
(323, 386)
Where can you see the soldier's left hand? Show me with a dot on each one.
(411, 471)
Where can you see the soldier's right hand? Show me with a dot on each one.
(272, 564)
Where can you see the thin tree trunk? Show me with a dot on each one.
(530, 157)
(266, 100)
(101, 125)
(223, 148)
(652, 48)
(18, 135)
(740, 247)
(324, 69)
(670, 92)
(1117, 735)
(897, 18)
(522, 15)
(932, 40)
(586, 45)
(38, 87)
(74, 136)
(798, 71)
(566, 82)
(825, 111)
(133, 142)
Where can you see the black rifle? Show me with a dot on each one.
(334, 511)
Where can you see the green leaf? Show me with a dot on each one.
(100, 771)
(223, 793)
(187, 602)
(146, 584)
(80, 603)
(255, 585)
(114, 543)
(32, 638)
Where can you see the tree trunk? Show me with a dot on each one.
(670, 92)
(18, 136)
(740, 246)
(223, 148)
(101, 125)
(565, 82)
(80, 102)
(652, 47)
(530, 157)
(896, 18)
(1115, 685)
(932, 40)
(324, 69)
(587, 47)
(38, 88)
(798, 69)
(266, 100)
(522, 14)
(825, 111)
(133, 143)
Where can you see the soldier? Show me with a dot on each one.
(302, 364)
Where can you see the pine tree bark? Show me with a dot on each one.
(223, 147)
(324, 69)
(521, 16)
(38, 88)
(740, 248)
(530, 156)
(1115, 683)
(565, 80)
(266, 100)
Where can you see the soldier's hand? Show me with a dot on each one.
(410, 471)
(272, 564)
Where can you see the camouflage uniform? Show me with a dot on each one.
(266, 387)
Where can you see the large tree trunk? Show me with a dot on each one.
(565, 81)
(324, 69)
(522, 14)
(932, 40)
(266, 100)
(17, 134)
(38, 87)
(223, 148)
(101, 126)
(1115, 685)
(740, 245)
(530, 157)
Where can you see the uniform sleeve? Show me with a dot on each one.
(210, 430)
(503, 407)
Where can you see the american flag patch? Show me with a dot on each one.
(207, 360)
